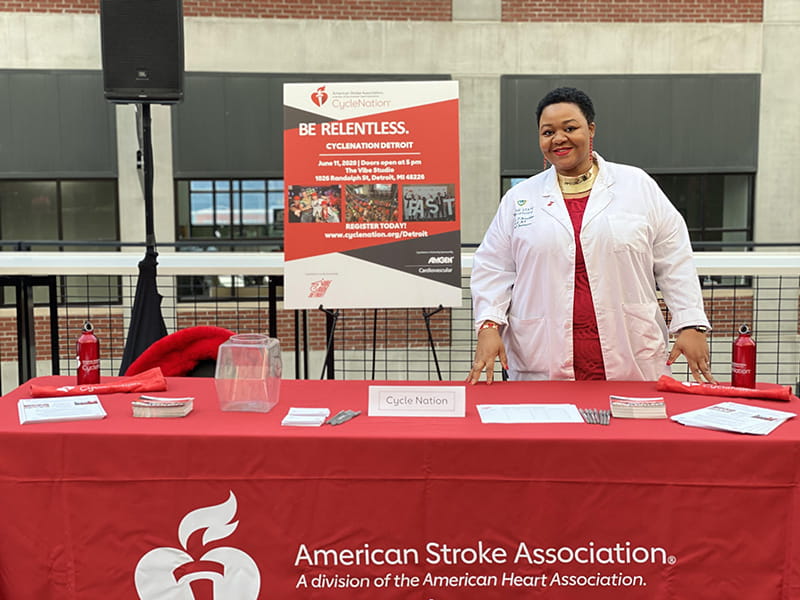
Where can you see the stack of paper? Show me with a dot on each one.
(732, 416)
(157, 406)
(306, 417)
(625, 407)
(529, 413)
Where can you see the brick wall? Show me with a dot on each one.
(726, 313)
(396, 328)
(376, 10)
(109, 329)
(619, 11)
(257, 321)
(634, 11)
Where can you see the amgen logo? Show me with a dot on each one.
(441, 260)
(167, 573)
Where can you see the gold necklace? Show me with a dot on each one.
(580, 184)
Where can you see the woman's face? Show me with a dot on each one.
(564, 137)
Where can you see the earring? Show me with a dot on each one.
(591, 149)
(544, 164)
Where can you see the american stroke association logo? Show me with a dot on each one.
(319, 96)
(167, 573)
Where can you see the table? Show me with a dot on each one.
(234, 506)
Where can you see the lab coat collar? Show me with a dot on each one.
(602, 191)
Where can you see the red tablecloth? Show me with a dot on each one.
(233, 506)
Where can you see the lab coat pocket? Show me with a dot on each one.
(645, 335)
(629, 233)
(527, 340)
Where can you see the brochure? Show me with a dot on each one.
(732, 416)
(70, 408)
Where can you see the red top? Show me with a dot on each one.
(587, 354)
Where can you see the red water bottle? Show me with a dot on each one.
(87, 352)
(743, 362)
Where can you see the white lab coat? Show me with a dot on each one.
(633, 238)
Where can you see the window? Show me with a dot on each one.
(64, 210)
(717, 208)
(226, 215)
(229, 211)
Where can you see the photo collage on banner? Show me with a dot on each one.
(372, 217)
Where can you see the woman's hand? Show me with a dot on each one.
(490, 347)
(694, 346)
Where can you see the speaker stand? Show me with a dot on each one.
(146, 150)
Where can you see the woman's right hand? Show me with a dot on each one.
(490, 347)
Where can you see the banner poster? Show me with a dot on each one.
(371, 173)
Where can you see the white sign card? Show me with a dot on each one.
(417, 401)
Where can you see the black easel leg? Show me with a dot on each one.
(427, 316)
(331, 317)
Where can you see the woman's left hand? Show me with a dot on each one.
(694, 346)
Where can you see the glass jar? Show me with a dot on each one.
(248, 372)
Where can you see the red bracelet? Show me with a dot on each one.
(488, 325)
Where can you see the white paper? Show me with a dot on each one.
(306, 417)
(529, 413)
(736, 417)
(68, 408)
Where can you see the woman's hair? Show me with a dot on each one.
(567, 94)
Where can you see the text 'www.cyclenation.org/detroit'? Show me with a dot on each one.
(349, 235)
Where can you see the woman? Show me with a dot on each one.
(564, 282)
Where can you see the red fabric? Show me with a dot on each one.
(84, 501)
(668, 384)
(587, 353)
(180, 352)
(151, 380)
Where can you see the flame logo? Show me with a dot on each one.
(319, 96)
(167, 573)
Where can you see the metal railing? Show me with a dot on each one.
(48, 295)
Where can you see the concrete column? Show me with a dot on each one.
(777, 206)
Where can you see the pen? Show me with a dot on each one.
(343, 416)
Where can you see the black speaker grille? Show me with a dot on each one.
(142, 47)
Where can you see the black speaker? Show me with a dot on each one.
(142, 47)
